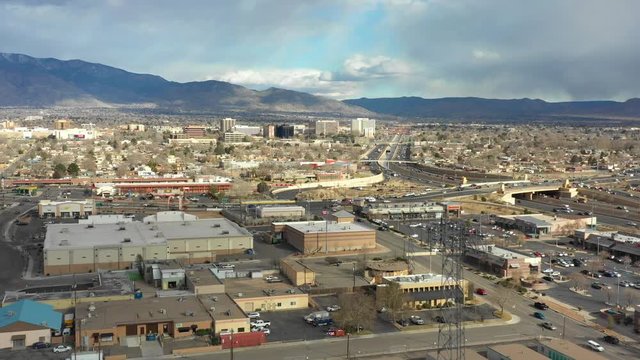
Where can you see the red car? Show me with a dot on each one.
(481, 291)
(335, 332)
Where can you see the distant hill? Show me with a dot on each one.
(478, 108)
(38, 82)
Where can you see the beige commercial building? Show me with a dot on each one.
(425, 290)
(66, 209)
(204, 282)
(80, 248)
(377, 270)
(298, 273)
(311, 237)
(502, 262)
(289, 212)
(129, 322)
(327, 127)
(540, 224)
(260, 295)
(227, 315)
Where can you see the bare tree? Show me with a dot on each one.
(630, 298)
(595, 264)
(393, 299)
(358, 311)
(626, 261)
(577, 281)
(502, 296)
(608, 293)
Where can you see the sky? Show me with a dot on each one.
(556, 50)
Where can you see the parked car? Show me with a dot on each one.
(548, 278)
(61, 348)
(337, 332)
(548, 325)
(539, 315)
(332, 308)
(253, 315)
(323, 322)
(417, 320)
(260, 323)
(440, 319)
(612, 340)
(595, 346)
(540, 305)
(596, 285)
(403, 322)
(481, 291)
(40, 345)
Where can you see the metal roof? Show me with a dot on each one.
(30, 312)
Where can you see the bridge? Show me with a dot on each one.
(527, 192)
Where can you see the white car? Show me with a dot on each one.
(61, 348)
(333, 308)
(595, 346)
(253, 315)
(548, 271)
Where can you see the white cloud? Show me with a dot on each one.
(361, 67)
(485, 55)
(314, 81)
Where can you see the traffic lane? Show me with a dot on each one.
(32, 354)
(602, 218)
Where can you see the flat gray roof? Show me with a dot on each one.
(327, 226)
(61, 236)
(205, 228)
(109, 314)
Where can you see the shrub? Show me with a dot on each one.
(202, 332)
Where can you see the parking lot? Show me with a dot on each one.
(32, 354)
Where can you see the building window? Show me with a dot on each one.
(240, 329)
(293, 303)
(279, 304)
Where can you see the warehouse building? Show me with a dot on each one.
(66, 209)
(424, 290)
(311, 237)
(80, 248)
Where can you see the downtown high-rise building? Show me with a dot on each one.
(327, 127)
(363, 127)
(227, 124)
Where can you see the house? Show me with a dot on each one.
(26, 322)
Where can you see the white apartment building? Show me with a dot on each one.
(363, 127)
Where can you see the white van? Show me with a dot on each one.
(595, 346)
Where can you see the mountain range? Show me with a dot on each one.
(26, 81)
(42, 82)
(514, 109)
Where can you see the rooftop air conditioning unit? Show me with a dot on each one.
(224, 232)
(121, 228)
(216, 225)
(240, 294)
(90, 226)
(126, 240)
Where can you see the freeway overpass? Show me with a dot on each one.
(509, 195)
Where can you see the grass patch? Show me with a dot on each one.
(506, 316)
(134, 276)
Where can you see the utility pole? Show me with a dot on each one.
(348, 343)
(354, 276)
(231, 351)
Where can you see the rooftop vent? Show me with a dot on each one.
(90, 226)
(121, 228)
(64, 242)
(224, 232)
(216, 225)
(163, 311)
(64, 230)
(126, 240)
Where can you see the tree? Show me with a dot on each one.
(393, 299)
(502, 296)
(263, 187)
(595, 265)
(577, 281)
(73, 169)
(59, 171)
(630, 297)
(626, 261)
(219, 150)
(357, 311)
(608, 293)
(214, 192)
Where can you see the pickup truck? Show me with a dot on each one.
(260, 323)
